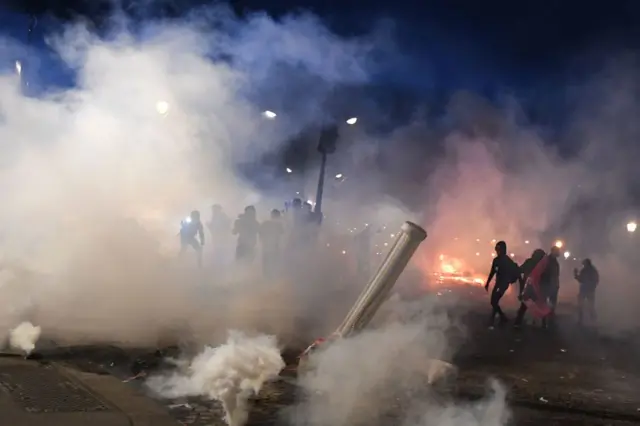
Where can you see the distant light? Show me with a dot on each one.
(344, 252)
(270, 114)
(631, 227)
(559, 244)
(311, 202)
(493, 241)
(339, 176)
(512, 255)
(526, 242)
(290, 171)
(352, 121)
(162, 107)
(19, 67)
(567, 254)
(477, 240)
(493, 255)
(393, 236)
(477, 254)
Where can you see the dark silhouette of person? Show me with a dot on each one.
(550, 283)
(505, 271)
(191, 228)
(246, 227)
(271, 232)
(589, 278)
(526, 268)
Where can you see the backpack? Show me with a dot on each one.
(514, 271)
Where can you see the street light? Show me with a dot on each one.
(352, 121)
(567, 254)
(162, 107)
(559, 244)
(631, 227)
(289, 170)
(270, 114)
(339, 176)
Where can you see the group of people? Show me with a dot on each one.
(539, 284)
(248, 232)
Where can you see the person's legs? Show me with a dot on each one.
(522, 310)
(496, 295)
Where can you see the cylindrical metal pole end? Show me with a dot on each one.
(414, 231)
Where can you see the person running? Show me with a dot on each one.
(506, 272)
(527, 268)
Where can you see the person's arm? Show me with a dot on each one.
(491, 274)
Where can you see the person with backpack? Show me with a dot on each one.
(506, 272)
(529, 291)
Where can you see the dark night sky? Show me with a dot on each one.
(484, 45)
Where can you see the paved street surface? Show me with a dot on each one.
(565, 376)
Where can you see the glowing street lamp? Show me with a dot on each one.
(289, 170)
(567, 254)
(631, 227)
(162, 107)
(270, 114)
(559, 244)
(339, 176)
(352, 121)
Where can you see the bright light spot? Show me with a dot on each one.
(270, 114)
(526, 242)
(344, 252)
(311, 202)
(512, 255)
(290, 171)
(339, 176)
(477, 240)
(559, 244)
(188, 219)
(352, 121)
(393, 235)
(631, 227)
(493, 255)
(162, 107)
(19, 67)
(493, 241)
(442, 257)
(477, 254)
(566, 254)
(386, 244)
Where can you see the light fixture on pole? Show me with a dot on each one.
(631, 227)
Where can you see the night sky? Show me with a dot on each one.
(481, 45)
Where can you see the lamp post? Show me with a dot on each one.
(326, 145)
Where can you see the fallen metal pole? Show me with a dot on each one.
(379, 287)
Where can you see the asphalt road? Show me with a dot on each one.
(566, 375)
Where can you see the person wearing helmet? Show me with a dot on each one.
(190, 230)
(506, 272)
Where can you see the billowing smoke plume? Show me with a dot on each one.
(230, 373)
(24, 337)
(164, 117)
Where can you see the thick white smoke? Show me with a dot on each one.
(230, 373)
(24, 337)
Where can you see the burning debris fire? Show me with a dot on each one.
(451, 270)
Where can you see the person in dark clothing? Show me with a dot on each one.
(246, 227)
(191, 228)
(271, 232)
(502, 268)
(589, 278)
(550, 282)
(526, 268)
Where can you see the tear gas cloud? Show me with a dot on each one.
(94, 179)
